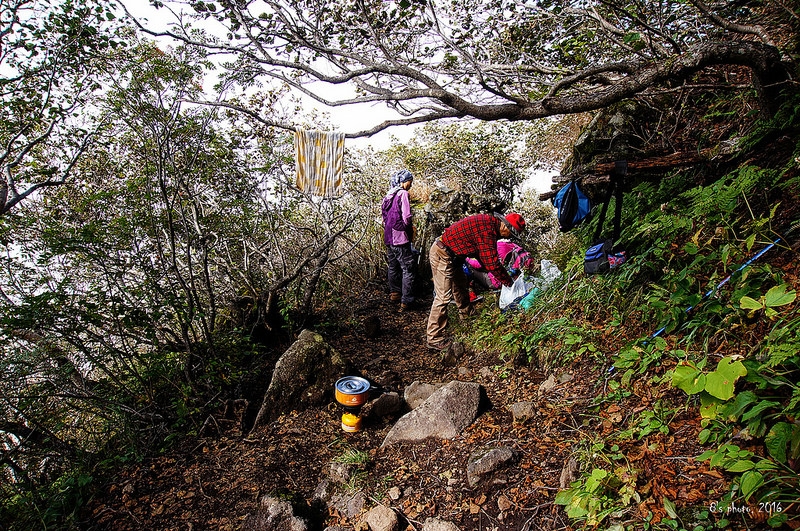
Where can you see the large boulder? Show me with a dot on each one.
(418, 392)
(445, 206)
(444, 415)
(308, 368)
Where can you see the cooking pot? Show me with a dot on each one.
(352, 391)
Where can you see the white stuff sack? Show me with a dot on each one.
(509, 294)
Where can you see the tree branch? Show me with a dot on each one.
(428, 72)
(758, 31)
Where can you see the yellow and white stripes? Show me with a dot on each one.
(320, 162)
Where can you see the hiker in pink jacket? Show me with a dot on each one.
(511, 255)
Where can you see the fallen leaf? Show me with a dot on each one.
(503, 503)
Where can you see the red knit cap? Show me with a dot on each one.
(516, 221)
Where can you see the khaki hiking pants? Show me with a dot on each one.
(449, 282)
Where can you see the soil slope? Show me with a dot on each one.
(215, 482)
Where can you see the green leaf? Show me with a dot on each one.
(750, 483)
(708, 406)
(778, 296)
(631, 37)
(743, 400)
(688, 378)
(670, 507)
(778, 439)
(564, 497)
(749, 303)
(766, 464)
(705, 455)
(717, 459)
(740, 466)
(594, 482)
(758, 409)
(576, 511)
(720, 383)
(750, 241)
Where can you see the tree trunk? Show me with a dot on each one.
(311, 286)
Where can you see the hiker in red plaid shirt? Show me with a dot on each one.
(474, 236)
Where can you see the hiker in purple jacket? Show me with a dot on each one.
(397, 235)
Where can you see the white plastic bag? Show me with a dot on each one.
(547, 274)
(510, 294)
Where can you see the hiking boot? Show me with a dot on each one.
(395, 296)
(410, 307)
(439, 344)
(468, 311)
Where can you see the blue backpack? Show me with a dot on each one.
(605, 254)
(572, 205)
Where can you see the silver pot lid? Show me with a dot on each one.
(352, 385)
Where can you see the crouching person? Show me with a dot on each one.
(474, 236)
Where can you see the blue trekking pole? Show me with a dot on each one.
(725, 281)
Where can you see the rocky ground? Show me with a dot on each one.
(216, 481)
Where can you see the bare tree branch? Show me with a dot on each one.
(756, 30)
(427, 67)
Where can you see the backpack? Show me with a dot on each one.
(572, 205)
(516, 258)
(603, 254)
(392, 218)
(596, 258)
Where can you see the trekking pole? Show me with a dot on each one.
(422, 240)
(725, 281)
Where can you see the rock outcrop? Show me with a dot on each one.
(418, 392)
(308, 368)
(444, 414)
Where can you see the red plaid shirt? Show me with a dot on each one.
(476, 236)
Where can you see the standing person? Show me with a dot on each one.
(475, 236)
(397, 235)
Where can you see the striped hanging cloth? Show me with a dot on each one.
(320, 162)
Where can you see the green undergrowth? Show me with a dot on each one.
(705, 314)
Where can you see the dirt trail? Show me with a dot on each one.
(216, 482)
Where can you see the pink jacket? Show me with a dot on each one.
(504, 250)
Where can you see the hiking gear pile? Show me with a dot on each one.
(603, 252)
(525, 289)
(572, 205)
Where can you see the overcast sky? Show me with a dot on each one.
(349, 119)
